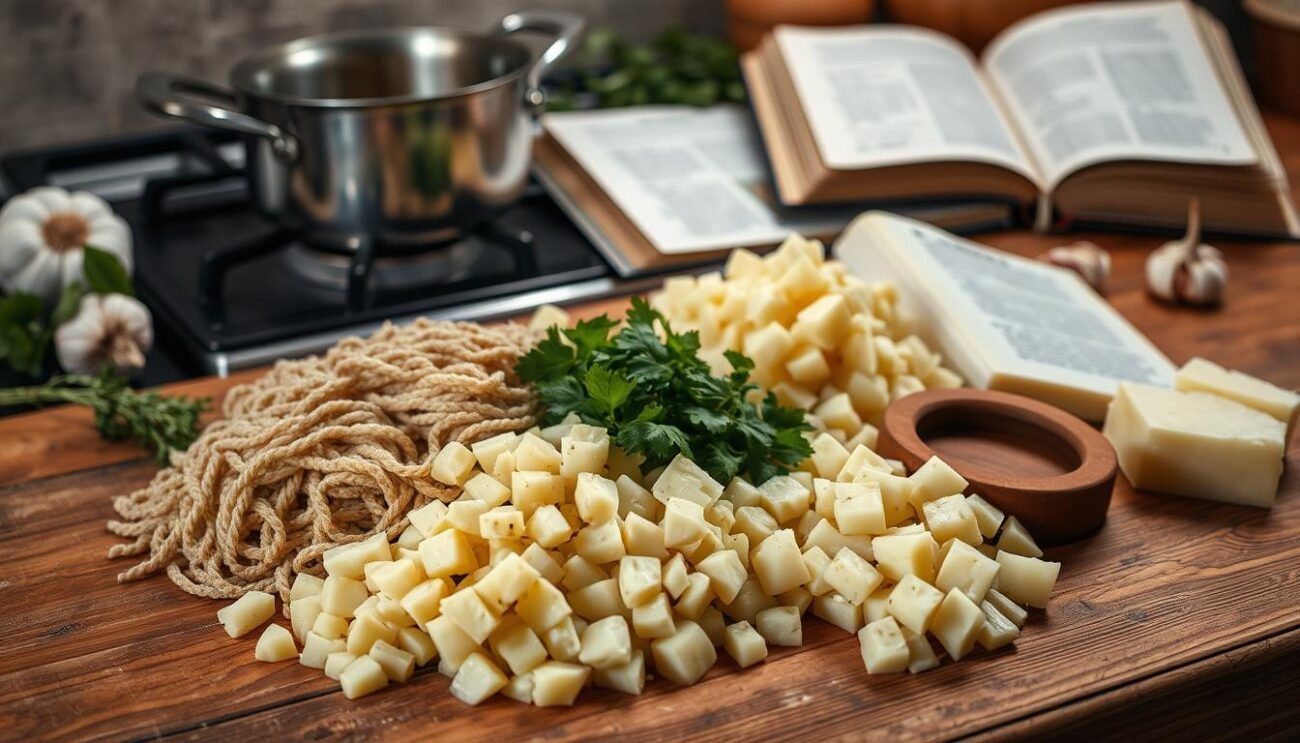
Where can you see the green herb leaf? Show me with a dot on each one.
(24, 336)
(105, 274)
(69, 303)
(658, 398)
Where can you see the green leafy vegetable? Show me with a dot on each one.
(677, 67)
(159, 423)
(104, 273)
(658, 398)
(24, 334)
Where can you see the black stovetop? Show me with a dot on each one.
(228, 290)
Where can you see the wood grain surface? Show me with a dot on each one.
(1179, 619)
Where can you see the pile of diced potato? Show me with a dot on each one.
(821, 339)
(562, 565)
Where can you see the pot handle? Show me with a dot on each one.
(566, 27)
(201, 102)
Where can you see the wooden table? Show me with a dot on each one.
(1178, 619)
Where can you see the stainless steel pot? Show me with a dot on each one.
(403, 135)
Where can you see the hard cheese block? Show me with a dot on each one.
(1199, 375)
(1195, 444)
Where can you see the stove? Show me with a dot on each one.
(228, 290)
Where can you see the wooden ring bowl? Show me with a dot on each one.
(1055, 509)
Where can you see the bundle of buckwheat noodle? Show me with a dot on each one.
(322, 451)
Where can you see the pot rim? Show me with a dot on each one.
(241, 74)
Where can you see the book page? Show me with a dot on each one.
(1115, 81)
(997, 314)
(690, 179)
(892, 95)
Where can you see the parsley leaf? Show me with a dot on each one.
(647, 384)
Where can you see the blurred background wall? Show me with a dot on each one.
(67, 66)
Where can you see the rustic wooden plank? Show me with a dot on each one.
(1257, 685)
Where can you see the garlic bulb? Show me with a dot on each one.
(42, 233)
(109, 329)
(1087, 259)
(1187, 271)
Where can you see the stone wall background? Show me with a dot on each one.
(67, 67)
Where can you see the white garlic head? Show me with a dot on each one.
(1085, 258)
(1195, 276)
(111, 329)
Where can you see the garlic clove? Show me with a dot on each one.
(108, 329)
(1087, 259)
(1187, 271)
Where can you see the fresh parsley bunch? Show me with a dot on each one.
(657, 397)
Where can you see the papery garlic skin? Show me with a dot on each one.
(42, 233)
(1087, 259)
(111, 329)
(1196, 277)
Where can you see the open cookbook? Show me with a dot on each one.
(655, 187)
(1105, 113)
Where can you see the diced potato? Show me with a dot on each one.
(1008, 608)
(247, 613)
(877, 605)
(542, 606)
(913, 602)
(502, 523)
(695, 598)
(825, 322)
(445, 554)
(816, 560)
(785, 498)
(349, 560)
(838, 412)
(365, 631)
(895, 493)
(596, 498)
(778, 564)
(1016, 539)
(755, 523)
(341, 596)
(883, 648)
(398, 664)
(934, 480)
(328, 626)
(829, 456)
(1027, 580)
(726, 573)
(535, 454)
(687, 480)
(606, 643)
(745, 645)
(714, 625)
(683, 523)
(477, 679)
(674, 576)
(957, 623)
(275, 644)
(315, 649)
(303, 614)
(967, 570)
(780, 625)
(530, 490)
(428, 519)
(556, 684)
(336, 662)
(597, 601)
(397, 578)
(643, 537)
(628, 678)
(900, 555)
(453, 464)
(506, 583)
(543, 562)
(579, 572)
(769, 345)
(487, 450)
(453, 645)
(464, 514)
(987, 516)
(423, 602)
(685, 657)
(471, 613)
(304, 585)
(562, 641)
(654, 618)
(859, 509)
(853, 577)
(951, 517)
(639, 580)
(833, 608)
(549, 527)
(807, 366)
(825, 536)
(362, 676)
(519, 688)
(600, 543)
(418, 644)
(584, 450)
(632, 498)
(997, 630)
(519, 647)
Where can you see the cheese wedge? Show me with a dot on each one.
(1196, 444)
(1199, 375)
